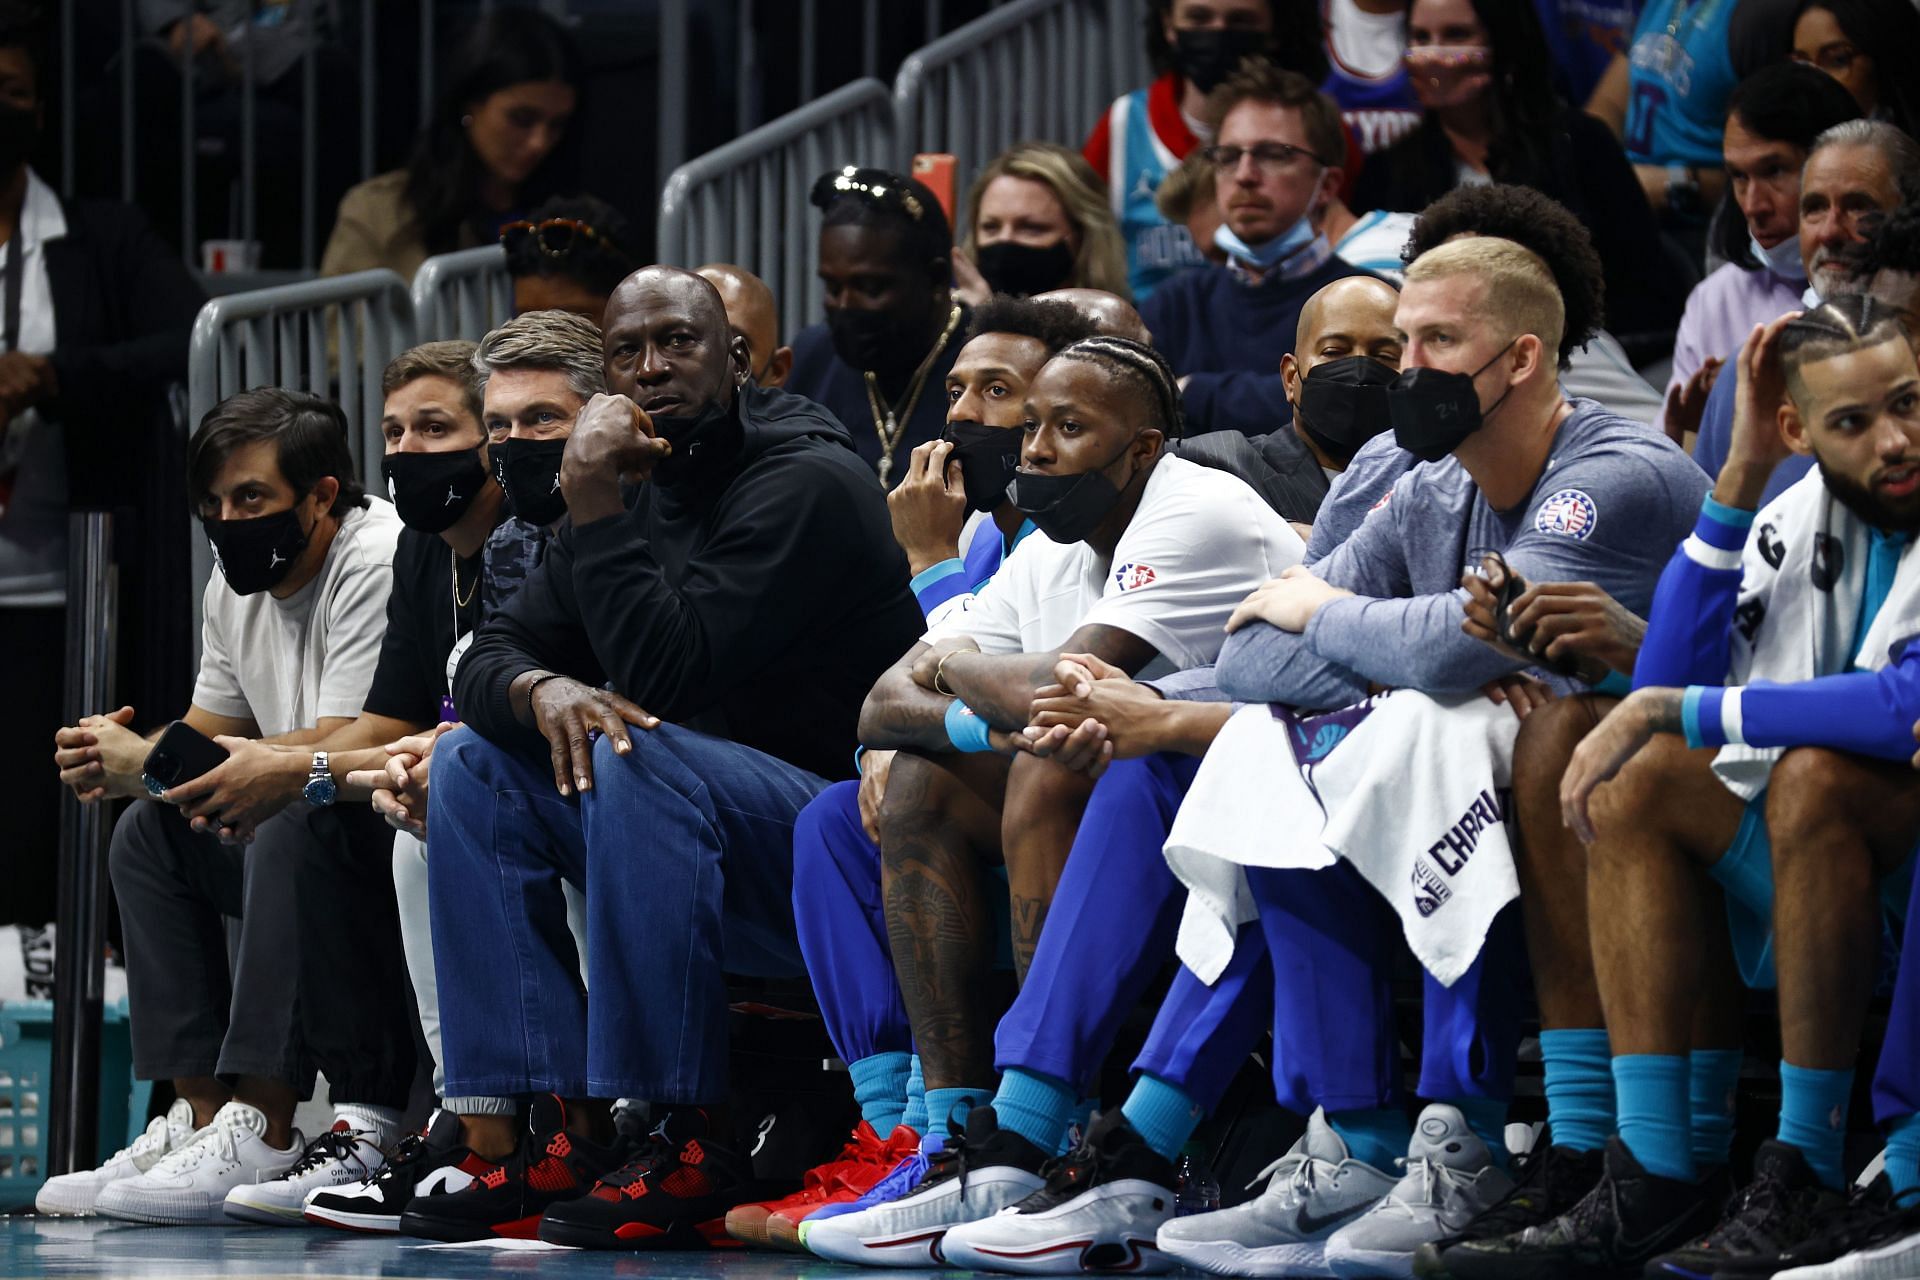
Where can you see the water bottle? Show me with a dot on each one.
(1195, 1190)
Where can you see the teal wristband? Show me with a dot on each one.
(965, 730)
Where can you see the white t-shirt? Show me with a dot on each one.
(288, 664)
(1199, 543)
(1367, 43)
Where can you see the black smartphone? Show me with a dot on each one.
(182, 754)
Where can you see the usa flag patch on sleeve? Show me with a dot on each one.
(1570, 513)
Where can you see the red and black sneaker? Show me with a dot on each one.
(551, 1165)
(674, 1195)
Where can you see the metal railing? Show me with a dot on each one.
(746, 202)
(281, 337)
(463, 294)
(1041, 69)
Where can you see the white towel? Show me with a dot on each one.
(1411, 790)
(1802, 582)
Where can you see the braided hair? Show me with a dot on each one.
(1842, 324)
(1146, 368)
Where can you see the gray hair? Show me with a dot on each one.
(546, 340)
(1902, 153)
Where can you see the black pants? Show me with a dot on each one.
(318, 980)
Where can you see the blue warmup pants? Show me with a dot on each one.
(1896, 1081)
(838, 912)
(684, 850)
(1110, 928)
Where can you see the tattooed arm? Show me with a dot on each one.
(1613, 742)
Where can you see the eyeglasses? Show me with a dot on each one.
(555, 237)
(1268, 157)
(879, 185)
(1835, 59)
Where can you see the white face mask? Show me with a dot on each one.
(1783, 259)
(1270, 253)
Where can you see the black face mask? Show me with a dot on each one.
(1206, 58)
(529, 470)
(691, 435)
(1023, 270)
(431, 491)
(988, 458)
(1065, 508)
(19, 132)
(256, 555)
(1343, 404)
(873, 339)
(1434, 411)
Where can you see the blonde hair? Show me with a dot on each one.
(1185, 189)
(547, 340)
(452, 360)
(1520, 296)
(1101, 262)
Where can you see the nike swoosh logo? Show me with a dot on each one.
(1306, 1224)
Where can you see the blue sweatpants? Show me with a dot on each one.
(839, 915)
(1896, 1082)
(1110, 928)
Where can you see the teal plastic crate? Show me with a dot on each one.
(26, 1084)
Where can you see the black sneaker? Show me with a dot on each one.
(673, 1195)
(429, 1163)
(551, 1165)
(1783, 1205)
(1629, 1217)
(1099, 1210)
(1548, 1181)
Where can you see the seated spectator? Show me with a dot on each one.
(569, 254)
(496, 145)
(1366, 72)
(1484, 79)
(1193, 45)
(100, 329)
(1224, 329)
(526, 381)
(1040, 221)
(953, 518)
(294, 625)
(1109, 313)
(1772, 119)
(1856, 174)
(1751, 766)
(743, 579)
(893, 327)
(1135, 568)
(1852, 40)
(755, 316)
(1665, 96)
(1372, 243)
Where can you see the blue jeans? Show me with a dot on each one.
(684, 849)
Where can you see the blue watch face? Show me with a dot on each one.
(320, 791)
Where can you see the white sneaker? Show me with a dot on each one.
(71, 1195)
(340, 1156)
(1315, 1189)
(190, 1185)
(1896, 1256)
(1451, 1180)
(1099, 1210)
(982, 1171)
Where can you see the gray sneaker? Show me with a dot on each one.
(1451, 1179)
(1315, 1189)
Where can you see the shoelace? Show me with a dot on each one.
(656, 1154)
(216, 1139)
(1763, 1213)
(859, 1152)
(1433, 1174)
(1269, 1175)
(153, 1140)
(902, 1178)
(331, 1145)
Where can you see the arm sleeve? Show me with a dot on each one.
(217, 688)
(356, 623)
(1261, 663)
(1178, 576)
(1690, 627)
(743, 599)
(1869, 713)
(1250, 403)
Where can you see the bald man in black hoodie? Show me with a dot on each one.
(646, 719)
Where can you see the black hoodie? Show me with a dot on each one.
(756, 595)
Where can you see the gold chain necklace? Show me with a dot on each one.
(453, 558)
(889, 424)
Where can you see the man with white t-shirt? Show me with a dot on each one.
(294, 625)
(1144, 557)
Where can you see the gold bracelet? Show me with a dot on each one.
(939, 673)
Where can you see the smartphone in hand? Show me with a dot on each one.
(182, 754)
